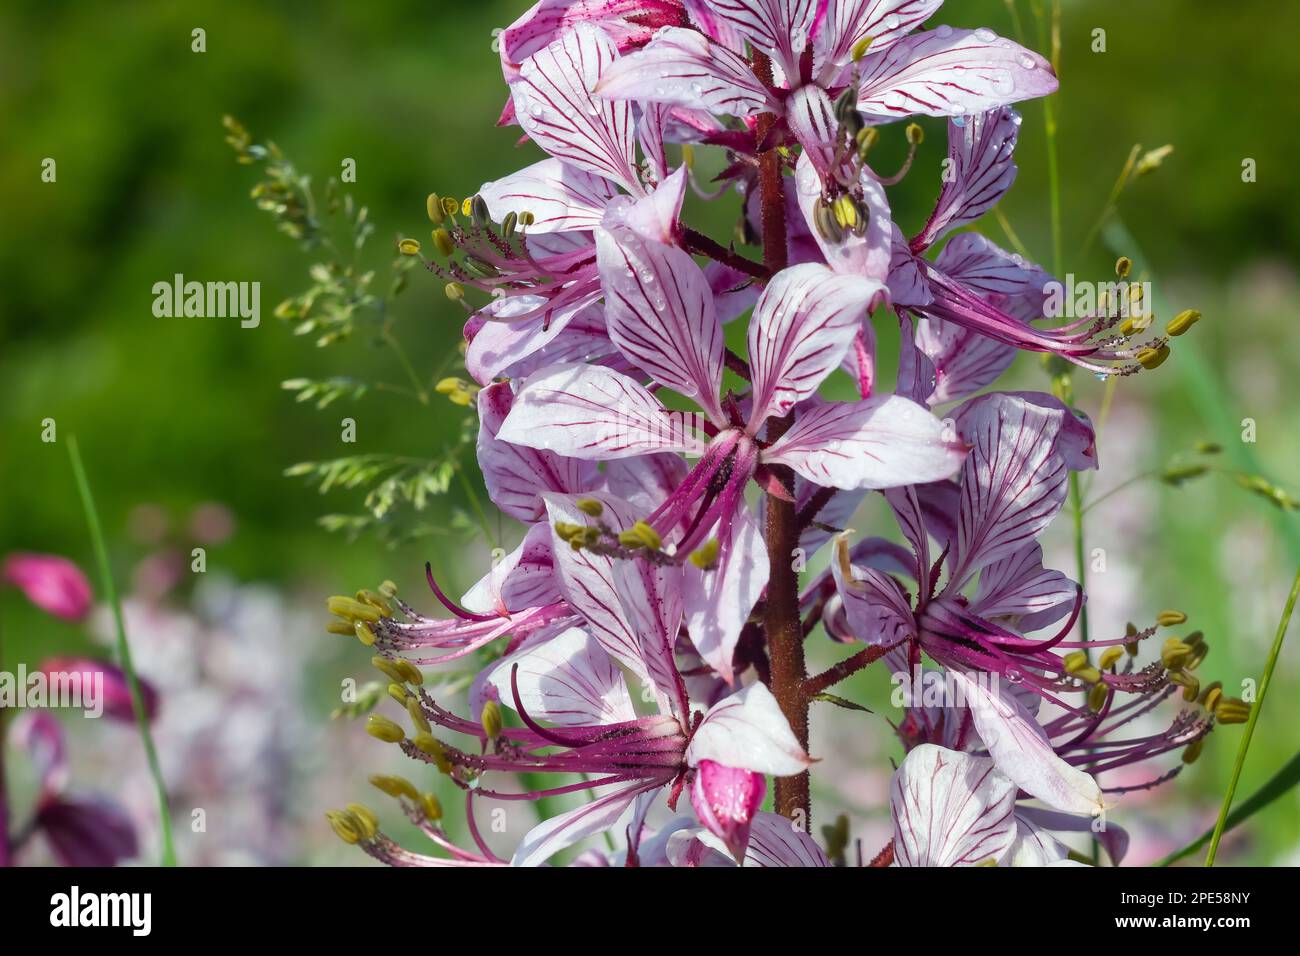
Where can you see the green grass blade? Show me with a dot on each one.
(124, 649)
(1281, 783)
(1273, 654)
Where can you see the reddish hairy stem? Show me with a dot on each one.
(702, 245)
(844, 669)
(781, 618)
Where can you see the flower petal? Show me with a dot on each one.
(554, 105)
(869, 255)
(947, 72)
(87, 831)
(593, 413)
(846, 23)
(981, 167)
(660, 313)
(1012, 484)
(567, 679)
(804, 322)
(725, 800)
(562, 831)
(560, 197)
(950, 809)
(781, 28)
(52, 583)
(522, 579)
(1020, 748)
(875, 607)
(880, 442)
(1019, 586)
(684, 68)
(748, 731)
(718, 601)
(111, 682)
(516, 475)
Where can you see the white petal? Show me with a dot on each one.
(748, 731)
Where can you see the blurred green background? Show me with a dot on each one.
(182, 411)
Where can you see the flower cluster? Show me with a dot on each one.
(673, 488)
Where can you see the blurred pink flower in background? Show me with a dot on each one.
(52, 583)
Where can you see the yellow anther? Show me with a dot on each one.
(381, 728)
(861, 47)
(1110, 657)
(1193, 750)
(410, 673)
(454, 291)
(365, 634)
(351, 609)
(416, 713)
(467, 207)
(867, 137)
(1123, 266)
(705, 557)
(345, 825)
(1152, 358)
(527, 219)
(1230, 710)
(688, 155)
(398, 693)
(491, 720)
(388, 589)
(432, 807)
(395, 786)
(340, 627)
(409, 247)
(449, 206)
(1097, 697)
(363, 815)
(433, 206)
(845, 212)
(1132, 645)
(1211, 696)
(1075, 661)
(590, 506)
(1134, 324)
(640, 535)
(1174, 654)
(1171, 618)
(389, 668)
(431, 745)
(442, 242)
(915, 134)
(1183, 321)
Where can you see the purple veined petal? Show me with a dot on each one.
(908, 285)
(499, 349)
(1022, 752)
(647, 481)
(917, 375)
(869, 255)
(651, 132)
(804, 322)
(555, 106)
(702, 15)
(106, 683)
(560, 197)
(629, 23)
(593, 413)
(1012, 484)
(780, 28)
(981, 168)
(950, 809)
(875, 608)
(659, 311)
(1019, 586)
(1113, 839)
(718, 601)
(87, 831)
(53, 583)
(748, 731)
(522, 579)
(879, 442)
(517, 476)
(653, 217)
(619, 605)
(726, 801)
(568, 680)
(844, 24)
(911, 521)
(564, 830)
(860, 360)
(940, 504)
(651, 597)
(40, 735)
(734, 293)
(1004, 279)
(684, 68)
(947, 72)
(776, 841)
(810, 114)
(1076, 442)
(964, 361)
(1034, 846)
